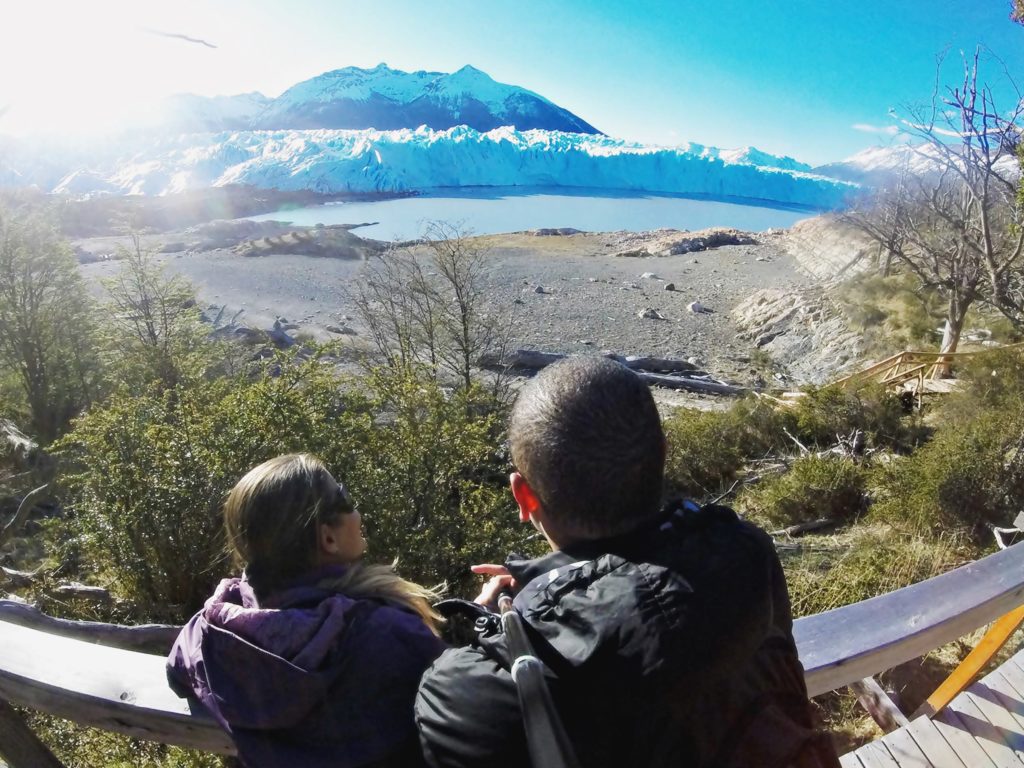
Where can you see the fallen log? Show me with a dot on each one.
(17, 579)
(653, 370)
(74, 589)
(529, 359)
(813, 525)
(147, 638)
(706, 386)
(26, 506)
(654, 364)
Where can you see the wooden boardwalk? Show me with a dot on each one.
(983, 727)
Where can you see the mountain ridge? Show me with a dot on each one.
(380, 98)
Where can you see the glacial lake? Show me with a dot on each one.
(490, 210)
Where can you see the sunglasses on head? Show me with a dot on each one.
(345, 503)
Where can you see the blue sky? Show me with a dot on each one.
(790, 77)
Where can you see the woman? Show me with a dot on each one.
(312, 657)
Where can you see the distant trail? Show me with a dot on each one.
(186, 38)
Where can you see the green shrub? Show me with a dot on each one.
(150, 474)
(814, 487)
(994, 381)
(870, 561)
(431, 478)
(824, 413)
(706, 449)
(969, 475)
(77, 746)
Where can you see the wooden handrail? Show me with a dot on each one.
(108, 688)
(847, 644)
(127, 692)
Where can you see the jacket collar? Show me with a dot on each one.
(628, 545)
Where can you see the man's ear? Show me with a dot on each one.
(524, 496)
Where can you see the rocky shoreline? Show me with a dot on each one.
(711, 297)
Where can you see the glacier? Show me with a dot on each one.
(405, 160)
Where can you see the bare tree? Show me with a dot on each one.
(155, 320)
(429, 305)
(956, 222)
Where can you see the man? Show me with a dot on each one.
(667, 632)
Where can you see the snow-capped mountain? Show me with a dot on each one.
(881, 166)
(387, 99)
(332, 161)
(877, 166)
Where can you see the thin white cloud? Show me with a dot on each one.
(885, 130)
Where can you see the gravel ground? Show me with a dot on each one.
(590, 300)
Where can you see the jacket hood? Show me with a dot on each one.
(241, 657)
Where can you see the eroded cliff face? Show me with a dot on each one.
(827, 248)
(805, 330)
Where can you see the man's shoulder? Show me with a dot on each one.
(467, 711)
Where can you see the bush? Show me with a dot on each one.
(893, 307)
(971, 474)
(151, 471)
(706, 449)
(814, 487)
(432, 479)
(77, 746)
(150, 474)
(994, 381)
(827, 412)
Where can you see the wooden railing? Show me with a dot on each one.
(904, 366)
(126, 690)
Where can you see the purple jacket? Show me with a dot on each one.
(309, 678)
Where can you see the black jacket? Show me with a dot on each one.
(671, 646)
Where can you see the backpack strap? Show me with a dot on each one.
(548, 743)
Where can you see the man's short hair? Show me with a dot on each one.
(586, 436)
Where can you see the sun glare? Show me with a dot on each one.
(88, 68)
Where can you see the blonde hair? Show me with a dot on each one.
(271, 518)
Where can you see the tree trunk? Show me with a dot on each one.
(950, 337)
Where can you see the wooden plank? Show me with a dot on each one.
(987, 735)
(975, 662)
(878, 704)
(995, 689)
(850, 760)
(1009, 684)
(934, 745)
(19, 746)
(1011, 731)
(905, 750)
(108, 688)
(1010, 681)
(846, 644)
(875, 755)
(956, 734)
(1014, 672)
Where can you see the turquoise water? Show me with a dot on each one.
(489, 210)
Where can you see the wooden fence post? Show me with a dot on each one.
(19, 746)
